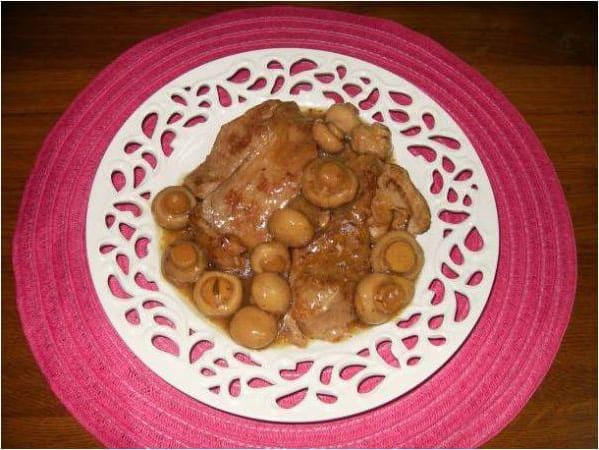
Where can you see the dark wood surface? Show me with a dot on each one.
(542, 56)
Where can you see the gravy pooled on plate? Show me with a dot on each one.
(297, 226)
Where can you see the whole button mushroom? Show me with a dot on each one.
(218, 294)
(270, 257)
(344, 116)
(171, 207)
(271, 293)
(375, 139)
(398, 252)
(290, 227)
(327, 137)
(183, 262)
(380, 296)
(328, 183)
(253, 328)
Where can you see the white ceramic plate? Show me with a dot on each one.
(326, 380)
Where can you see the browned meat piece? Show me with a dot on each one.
(289, 332)
(280, 146)
(231, 148)
(324, 274)
(368, 168)
(397, 204)
(224, 250)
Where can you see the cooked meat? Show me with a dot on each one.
(324, 274)
(290, 332)
(230, 150)
(397, 204)
(277, 147)
(224, 250)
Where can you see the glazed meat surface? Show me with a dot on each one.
(230, 150)
(324, 274)
(254, 168)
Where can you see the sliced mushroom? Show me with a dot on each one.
(397, 203)
(326, 138)
(183, 262)
(218, 294)
(171, 207)
(344, 116)
(253, 328)
(271, 293)
(328, 183)
(270, 257)
(290, 227)
(379, 297)
(375, 138)
(398, 252)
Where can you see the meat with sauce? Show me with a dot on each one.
(324, 274)
(276, 146)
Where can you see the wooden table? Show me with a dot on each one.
(542, 56)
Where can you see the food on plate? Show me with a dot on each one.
(270, 257)
(328, 183)
(297, 226)
(397, 252)
(375, 139)
(253, 328)
(183, 262)
(290, 227)
(172, 206)
(270, 292)
(380, 296)
(218, 294)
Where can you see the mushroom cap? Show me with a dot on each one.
(218, 294)
(253, 328)
(380, 296)
(329, 183)
(171, 207)
(398, 252)
(271, 293)
(344, 116)
(290, 227)
(270, 257)
(326, 137)
(183, 262)
(375, 138)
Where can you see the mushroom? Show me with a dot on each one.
(398, 252)
(380, 296)
(318, 217)
(271, 293)
(375, 138)
(183, 262)
(327, 137)
(218, 294)
(290, 227)
(328, 183)
(398, 192)
(270, 257)
(171, 207)
(344, 116)
(253, 328)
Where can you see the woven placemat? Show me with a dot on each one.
(124, 404)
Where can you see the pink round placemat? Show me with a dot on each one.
(467, 402)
